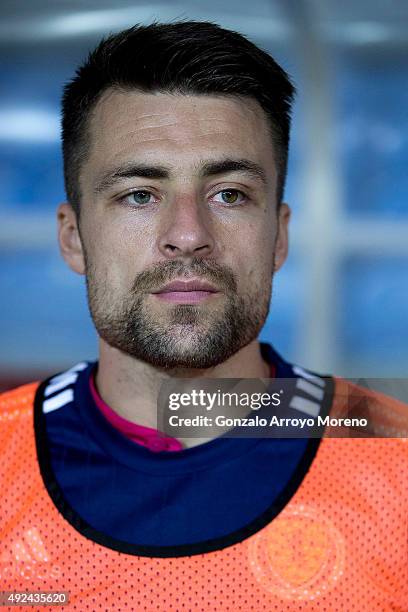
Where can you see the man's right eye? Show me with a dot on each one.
(139, 197)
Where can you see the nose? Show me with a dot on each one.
(185, 229)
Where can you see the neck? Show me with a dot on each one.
(131, 387)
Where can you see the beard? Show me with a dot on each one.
(177, 336)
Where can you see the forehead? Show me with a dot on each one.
(182, 128)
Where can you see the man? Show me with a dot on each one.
(175, 142)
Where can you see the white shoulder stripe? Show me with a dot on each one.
(78, 367)
(61, 383)
(58, 400)
(310, 388)
(305, 405)
(309, 376)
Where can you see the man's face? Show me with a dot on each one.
(179, 187)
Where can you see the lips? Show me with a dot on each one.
(192, 291)
(186, 286)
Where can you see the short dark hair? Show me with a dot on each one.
(187, 57)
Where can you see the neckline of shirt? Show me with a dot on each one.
(126, 452)
(151, 438)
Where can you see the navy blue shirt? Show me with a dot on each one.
(113, 487)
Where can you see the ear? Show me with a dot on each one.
(282, 239)
(69, 238)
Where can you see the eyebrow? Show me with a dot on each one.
(213, 168)
(131, 170)
(225, 166)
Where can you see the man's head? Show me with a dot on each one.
(175, 145)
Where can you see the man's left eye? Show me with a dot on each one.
(229, 196)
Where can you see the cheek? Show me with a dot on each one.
(117, 245)
(255, 253)
(112, 257)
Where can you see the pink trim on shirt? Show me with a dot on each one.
(151, 438)
(146, 436)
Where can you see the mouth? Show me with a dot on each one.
(186, 292)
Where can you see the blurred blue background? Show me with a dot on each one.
(340, 303)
